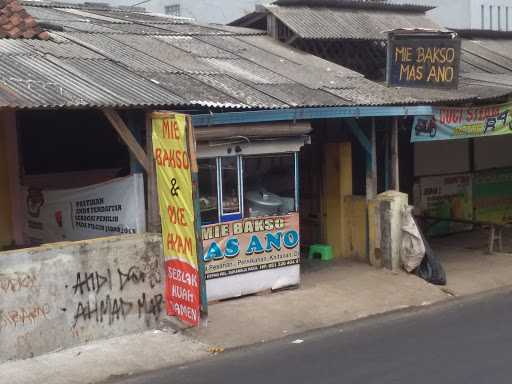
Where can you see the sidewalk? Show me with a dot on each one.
(330, 294)
(347, 290)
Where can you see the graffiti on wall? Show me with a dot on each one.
(99, 296)
(17, 282)
(109, 303)
(23, 316)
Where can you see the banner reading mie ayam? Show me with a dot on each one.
(173, 167)
(462, 123)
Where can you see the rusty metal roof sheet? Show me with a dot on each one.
(310, 22)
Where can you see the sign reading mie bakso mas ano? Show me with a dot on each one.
(423, 62)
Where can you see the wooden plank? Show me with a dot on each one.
(371, 167)
(153, 213)
(395, 169)
(13, 207)
(126, 135)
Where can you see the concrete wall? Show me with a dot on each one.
(67, 294)
(385, 222)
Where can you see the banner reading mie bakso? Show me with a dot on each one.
(251, 245)
(175, 193)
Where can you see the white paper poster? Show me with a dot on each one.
(112, 208)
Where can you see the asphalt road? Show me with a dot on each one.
(468, 341)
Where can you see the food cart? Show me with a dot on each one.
(249, 213)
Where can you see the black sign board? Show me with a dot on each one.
(425, 61)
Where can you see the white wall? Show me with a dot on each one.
(467, 14)
(497, 8)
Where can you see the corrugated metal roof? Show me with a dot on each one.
(488, 56)
(12, 47)
(137, 17)
(239, 90)
(43, 14)
(85, 26)
(94, 16)
(143, 29)
(36, 82)
(109, 46)
(357, 4)
(161, 55)
(196, 47)
(193, 90)
(122, 63)
(63, 50)
(246, 70)
(346, 23)
(295, 66)
(298, 95)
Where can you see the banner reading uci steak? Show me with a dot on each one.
(172, 143)
(448, 123)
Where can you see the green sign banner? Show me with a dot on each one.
(461, 123)
(492, 195)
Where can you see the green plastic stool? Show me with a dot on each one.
(325, 252)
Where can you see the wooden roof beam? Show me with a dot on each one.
(127, 136)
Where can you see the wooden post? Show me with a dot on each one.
(387, 151)
(371, 165)
(126, 135)
(194, 170)
(153, 213)
(12, 159)
(395, 170)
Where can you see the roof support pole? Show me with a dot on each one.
(360, 135)
(11, 149)
(368, 142)
(127, 136)
(371, 165)
(153, 215)
(395, 171)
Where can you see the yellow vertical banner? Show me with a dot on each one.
(171, 146)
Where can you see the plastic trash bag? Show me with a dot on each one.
(430, 268)
(412, 249)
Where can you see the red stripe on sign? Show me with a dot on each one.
(182, 291)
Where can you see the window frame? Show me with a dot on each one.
(231, 216)
(223, 217)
